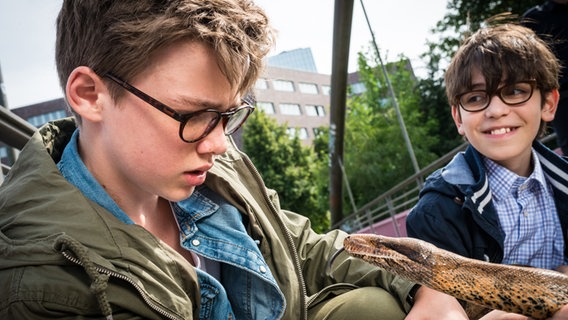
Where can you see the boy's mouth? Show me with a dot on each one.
(500, 131)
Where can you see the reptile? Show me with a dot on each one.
(533, 292)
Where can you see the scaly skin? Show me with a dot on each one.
(533, 292)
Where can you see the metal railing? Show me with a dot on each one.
(14, 131)
(398, 199)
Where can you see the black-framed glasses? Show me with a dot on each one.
(194, 126)
(511, 94)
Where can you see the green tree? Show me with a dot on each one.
(288, 167)
(464, 17)
(375, 153)
(322, 169)
(434, 111)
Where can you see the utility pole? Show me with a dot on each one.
(343, 15)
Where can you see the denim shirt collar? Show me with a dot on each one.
(210, 219)
(74, 170)
(214, 229)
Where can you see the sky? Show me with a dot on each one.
(27, 36)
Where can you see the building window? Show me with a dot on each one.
(358, 88)
(326, 90)
(284, 85)
(301, 133)
(310, 88)
(290, 109)
(315, 111)
(261, 83)
(317, 131)
(267, 107)
(42, 119)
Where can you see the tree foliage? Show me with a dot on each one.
(461, 19)
(322, 168)
(288, 167)
(375, 153)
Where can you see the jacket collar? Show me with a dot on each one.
(555, 168)
(75, 171)
(467, 172)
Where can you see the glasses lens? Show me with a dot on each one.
(199, 125)
(474, 100)
(512, 94)
(236, 120)
(516, 93)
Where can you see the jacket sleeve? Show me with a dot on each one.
(440, 220)
(240, 183)
(315, 251)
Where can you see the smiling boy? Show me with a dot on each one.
(505, 199)
(141, 207)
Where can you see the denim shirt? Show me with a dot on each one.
(212, 228)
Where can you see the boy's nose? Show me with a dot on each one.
(496, 107)
(215, 142)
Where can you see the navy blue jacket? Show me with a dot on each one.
(455, 210)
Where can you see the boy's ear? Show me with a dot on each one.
(456, 115)
(550, 105)
(83, 90)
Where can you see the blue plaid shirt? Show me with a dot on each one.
(527, 215)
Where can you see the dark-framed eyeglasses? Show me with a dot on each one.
(511, 94)
(194, 126)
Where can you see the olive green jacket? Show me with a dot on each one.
(64, 256)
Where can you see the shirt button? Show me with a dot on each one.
(262, 269)
(195, 242)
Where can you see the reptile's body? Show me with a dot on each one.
(537, 293)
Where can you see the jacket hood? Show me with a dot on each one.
(32, 195)
(457, 176)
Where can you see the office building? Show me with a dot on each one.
(299, 99)
(297, 59)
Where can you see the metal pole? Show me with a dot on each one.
(3, 100)
(2, 104)
(348, 187)
(395, 102)
(343, 15)
(12, 153)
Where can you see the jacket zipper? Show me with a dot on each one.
(100, 269)
(297, 266)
